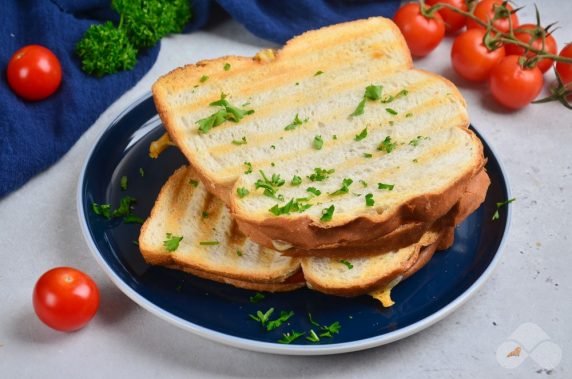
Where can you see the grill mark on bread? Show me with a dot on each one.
(330, 145)
(340, 115)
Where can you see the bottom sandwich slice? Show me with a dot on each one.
(192, 231)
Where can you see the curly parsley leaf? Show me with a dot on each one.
(261, 317)
(295, 123)
(369, 202)
(293, 206)
(105, 49)
(257, 297)
(296, 180)
(101, 210)
(242, 192)
(228, 112)
(147, 21)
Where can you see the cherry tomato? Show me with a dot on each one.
(471, 59)
(485, 11)
(34, 72)
(532, 35)
(421, 33)
(453, 20)
(513, 85)
(565, 69)
(65, 299)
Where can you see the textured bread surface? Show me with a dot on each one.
(184, 208)
(321, 76)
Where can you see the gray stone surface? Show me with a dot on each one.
(532, 284)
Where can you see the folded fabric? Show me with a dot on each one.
(33, 135)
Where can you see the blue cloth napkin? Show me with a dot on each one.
(34, 135)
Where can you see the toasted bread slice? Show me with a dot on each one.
(211, 243)
(303, 101)
(409, 233)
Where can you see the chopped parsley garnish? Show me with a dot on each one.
(348, 264)
(273, 324)
(314, 191)
(367, 155)
(123, 183)
(409, 114)
(295, 123)
(290, 337)
(171, 242)
(101, 210)
(205, 214)
(327, 213)
(372, 92)
(296, 180)
(319, 72)
(209, 243)
(415, 160)
(134, 242)
(496, 215)
(326, 330)
(228, 113)
(124, 210)
(262, 317)
(359, 109)
(248, 167)
(330, 330)
(194, 183)
(334, 137)
(312, 320)
(242, 192)
(369, 202)
(320, 174)
(386, 145)
(318, 142)
(293, 206)
(239, 142)
(141, 172)
(363, 183)
(239, 253)
(226, 66)
(361, 135)
(203, 79)
(385, 186)
(390, 98)
(257, 297)
(270, 186)
(346, 183)
(273, 147)
(415, 141)
(313, 337)
(391, 111)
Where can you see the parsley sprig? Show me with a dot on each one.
(290, 337)
(105, 49)
(125, 211)
(387, 145)
(293, 206)
(228, 112)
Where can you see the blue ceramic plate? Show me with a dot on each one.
(220, 312)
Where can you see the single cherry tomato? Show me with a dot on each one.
(515, 86)
(471, 59)
(533, 35)
(486, 10)
(34, 72)
(422, 34)
(565, 69)
(65, 299)
(453, 20)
